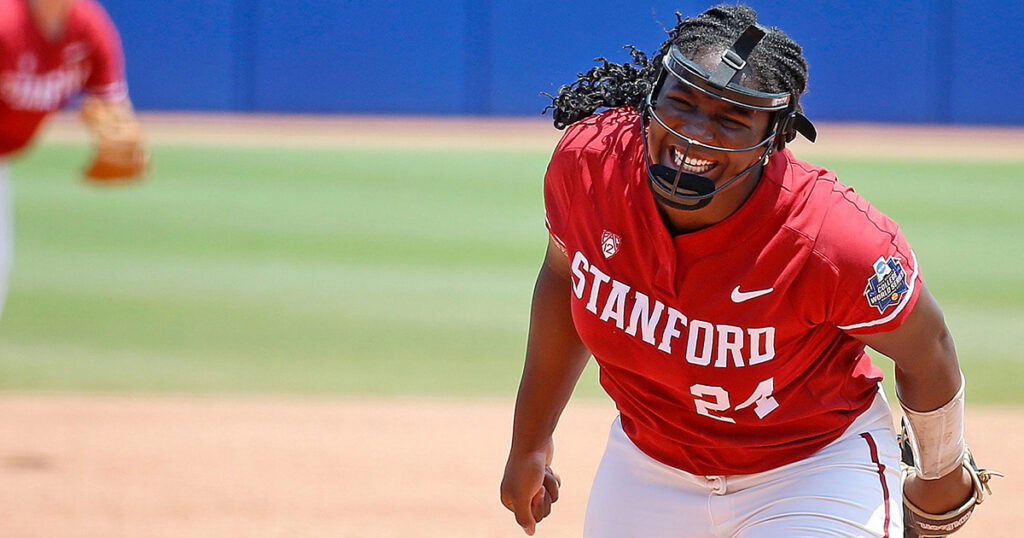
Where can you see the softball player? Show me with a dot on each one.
(50, 51)
(727, 291)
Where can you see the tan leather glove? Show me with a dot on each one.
(121, 153)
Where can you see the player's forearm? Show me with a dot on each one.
(933, 379)
(555, 357)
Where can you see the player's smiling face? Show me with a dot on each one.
(709, 120)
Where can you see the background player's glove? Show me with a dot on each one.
(120, 151)
(918, 523)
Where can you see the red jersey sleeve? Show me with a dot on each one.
(106, 79)
(558, 183)
(877, 275)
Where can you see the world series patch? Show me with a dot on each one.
(887, 285)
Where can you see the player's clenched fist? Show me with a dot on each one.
(530, 486)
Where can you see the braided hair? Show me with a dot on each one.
(777, 63)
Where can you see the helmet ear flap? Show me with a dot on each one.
(786, 133)
(791, 123)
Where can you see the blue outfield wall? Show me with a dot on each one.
(939, 61)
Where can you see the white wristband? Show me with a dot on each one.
(937, 437)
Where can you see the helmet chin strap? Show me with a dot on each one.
(665, 182)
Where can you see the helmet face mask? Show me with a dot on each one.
(681, 189)
(676, 174)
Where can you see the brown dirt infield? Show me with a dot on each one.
(181, 466)
(162, 466)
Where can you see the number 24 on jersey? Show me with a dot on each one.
(761, 399)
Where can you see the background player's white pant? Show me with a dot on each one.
(6, 233)
(852, 487)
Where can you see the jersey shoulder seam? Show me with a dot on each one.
(867, 216)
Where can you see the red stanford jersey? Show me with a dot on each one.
(38, 76)
(727, 350)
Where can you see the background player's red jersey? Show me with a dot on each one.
(38, 75)
(727, 350)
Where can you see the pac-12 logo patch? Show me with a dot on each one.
(609, 244)
(887, 285)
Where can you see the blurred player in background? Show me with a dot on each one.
(50, 52)
(728, 290)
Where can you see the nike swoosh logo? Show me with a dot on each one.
(738, 296)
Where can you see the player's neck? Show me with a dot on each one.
(50, 17)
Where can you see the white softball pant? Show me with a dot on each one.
(852, 487)
(6, 233)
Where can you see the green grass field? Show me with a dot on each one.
(357, 272)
